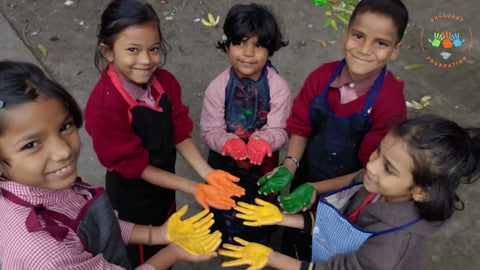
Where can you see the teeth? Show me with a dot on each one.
(62, 170)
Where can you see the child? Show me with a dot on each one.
(413, 173)
(50, 218)
(245, 109)
(345, 108)
(137, 122)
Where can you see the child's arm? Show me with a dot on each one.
(213, 128)
(278, 260)
(189, 151)
(280, 98)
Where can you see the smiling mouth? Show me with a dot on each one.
(65, 170)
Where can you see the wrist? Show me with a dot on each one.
(290, 165)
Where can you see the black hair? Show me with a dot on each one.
(22, 82)
(393, 9)
(249, 20)
(121, 14)
(443, 153)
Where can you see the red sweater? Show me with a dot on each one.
(389, 107)
(107, 120)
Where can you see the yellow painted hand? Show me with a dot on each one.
(195, 226)
(264, 213)
(254, 254)
(202, 245)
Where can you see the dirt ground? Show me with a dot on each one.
(68, 34)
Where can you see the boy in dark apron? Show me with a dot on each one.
(344, 108)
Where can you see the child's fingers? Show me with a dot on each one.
(240, 241)
(232, 247)
(246, 205)
(260, 202)
(198, 216)
(253, 223)
(243, 210)
(246, 217)
(203, 221)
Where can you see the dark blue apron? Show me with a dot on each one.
(96, 225)
(332, 150)
(136, 200)
(333, 233)
(247, 104)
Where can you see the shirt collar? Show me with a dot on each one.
(361, 87)
(134, 89)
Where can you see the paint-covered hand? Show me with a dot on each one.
(195, 226)
(257, 149)
(264, 213)
(236, 148)
(224, 181)
(253, 254)
(276, 182)
(299, 200)
(202, 245)
(208, 195)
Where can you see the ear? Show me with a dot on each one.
(106, 51)
(419, 194)
(395, 51)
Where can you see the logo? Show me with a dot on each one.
(446, 40)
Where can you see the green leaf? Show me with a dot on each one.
(42, 49)
(328, 22)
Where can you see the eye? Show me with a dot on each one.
(67, 126)
(357, 36)
(382, 43)
(388, 170)
(259, 45)
(30, 145)
(155, 49)
(133, 50)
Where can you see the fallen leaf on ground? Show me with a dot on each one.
(418, 105)
(322, 42)
(413, 66)
(42, 49)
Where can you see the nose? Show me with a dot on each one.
(60, 149)
(249, 50)
(364, 48)
(144, 58)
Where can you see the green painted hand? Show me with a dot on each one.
(195, 226)
(253, 254)
(202, 245)
(276, 182)
(264, 213)
(300, 199)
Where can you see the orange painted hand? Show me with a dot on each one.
(257, 149)
(236, 148)
(253, 254)
(264, 213)
(202, 245)
(208, 195)
(224, 182)
(447, 42)
(195, 226)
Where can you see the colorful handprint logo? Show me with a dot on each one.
(447, 39)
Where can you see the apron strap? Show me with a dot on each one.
(337, 71)
(353, 217)
(372, 95)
